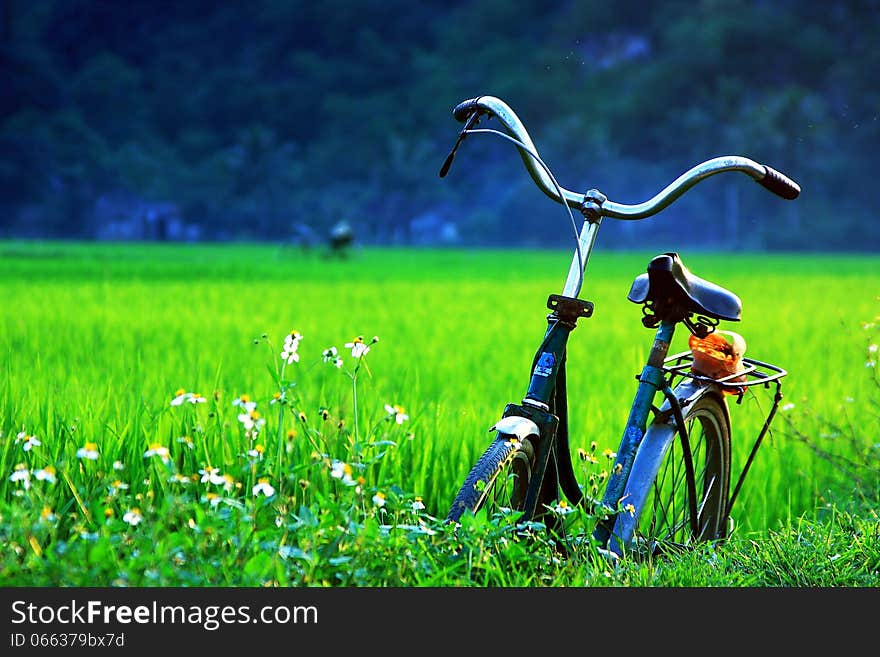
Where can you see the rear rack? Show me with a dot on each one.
(756, 372)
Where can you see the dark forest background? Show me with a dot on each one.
(275, 120)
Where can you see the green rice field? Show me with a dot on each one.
(100, 469)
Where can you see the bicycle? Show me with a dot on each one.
(669, 486)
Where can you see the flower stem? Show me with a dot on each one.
(354, 396)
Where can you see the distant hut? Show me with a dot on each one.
(341, 239)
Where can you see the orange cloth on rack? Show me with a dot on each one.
(719, 355)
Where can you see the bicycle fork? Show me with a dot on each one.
(543, 414)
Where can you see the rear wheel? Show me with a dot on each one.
(498, 481)
(683, 500)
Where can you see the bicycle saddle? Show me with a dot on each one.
(668, 281)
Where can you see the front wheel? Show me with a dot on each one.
(499, 480)
(678, 488)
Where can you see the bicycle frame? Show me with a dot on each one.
(545, 405)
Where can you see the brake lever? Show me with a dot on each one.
(470, 123)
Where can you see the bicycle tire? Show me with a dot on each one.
(660, 518)
(498, 480)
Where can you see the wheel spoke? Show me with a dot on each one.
(702, 505)
(666, 517)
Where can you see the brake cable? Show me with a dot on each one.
(467, 130)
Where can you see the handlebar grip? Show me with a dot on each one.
(464, 109)
(779, 184)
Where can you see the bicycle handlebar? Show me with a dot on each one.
(767, 177)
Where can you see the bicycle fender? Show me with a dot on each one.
(646, 464)
(515, 425)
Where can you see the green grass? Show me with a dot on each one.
(96, 339)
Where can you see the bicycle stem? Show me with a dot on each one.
(577, 271)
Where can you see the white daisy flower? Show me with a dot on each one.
(263, 486)
(158, 450)
(245, 403)
(358, 347)
(28, 442)
(88, 451)
(21, 474)
(397, 412)
(133, 516)
(212, 498)
(117, 486)
(211, 474)
(331, 355)
(291, 345)
(251, 421)
(180, 396)
(46, 474)
(561, 508)
(341, 470)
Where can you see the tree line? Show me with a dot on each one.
(276, 119)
